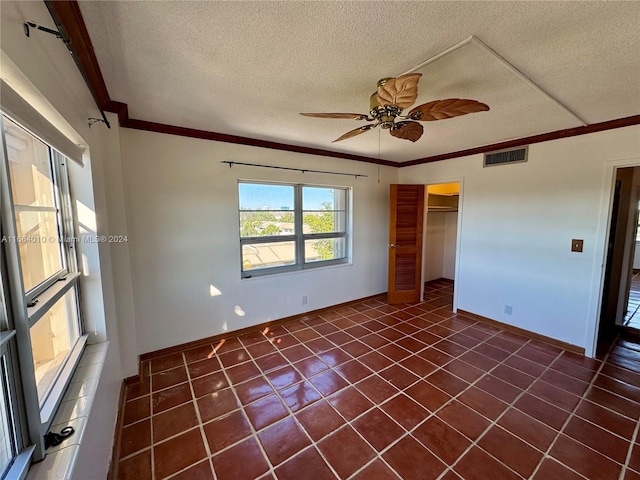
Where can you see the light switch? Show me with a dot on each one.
(576, 245)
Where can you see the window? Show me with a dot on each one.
(287, 227)
(42, 330)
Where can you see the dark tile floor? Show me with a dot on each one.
(374, 391)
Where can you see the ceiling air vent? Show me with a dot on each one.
(502, 157)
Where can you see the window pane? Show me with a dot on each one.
(7, 449)
(52, 337)
(266, 210)
(272, 254)
(35, 205)
(325, 249)
(266, 223)
(323, 222)
(323, 198)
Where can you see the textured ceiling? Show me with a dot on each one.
(249, 68)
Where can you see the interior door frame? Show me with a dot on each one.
(456, 276)
(602, 241)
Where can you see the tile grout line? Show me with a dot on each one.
(634, 437)
(547, 452)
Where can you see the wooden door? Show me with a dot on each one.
(405, 243)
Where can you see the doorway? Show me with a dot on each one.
(442, 202)
(620, 309)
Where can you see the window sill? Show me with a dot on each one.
(263, 276)
(73, 411)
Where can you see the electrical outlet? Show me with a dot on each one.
(508, 309)
(304, 300)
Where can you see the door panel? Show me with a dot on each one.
(405, 243)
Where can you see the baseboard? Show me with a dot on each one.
(115, 453)
(243, 331)
(527, 333)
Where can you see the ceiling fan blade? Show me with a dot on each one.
(407, 130)
(401, 91)
(350, 116)
(443, 109)
(355, 131)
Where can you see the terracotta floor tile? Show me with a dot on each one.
(483, 403)
(550, 469)
(225, 431)
(266, 411)
(511, 451)
(463, 419)
(606, 419)
(199, 353)
(216, 404)
(209, 384)
(170, 397)
(378, 429)
(376, 470)
(284, 377)
(203, 367)
(447, 382)
(353, 371)
(253, 389)
(584, 460)
(136, 467)
(356, 348)
(241, 461)
(405, 411)
(311, 366)
(178, 453)
(236, 357)
(614, 402)
(135, 437)
(306, 465)
(375, 361)
(498, 388)
(541, 410)
(319, 419)
(349, 403)
(200, 471)
(299, 395)
(166, 362)
(435, 356)
(345, 461)
(443, 441)
(398, 376)
(174, 421)
(243, 372)
(427, 395)
(328, 382)
(528, 429)
(513, 376)
(595, 437)
(136, 410)
(334, 357)
(282, 440)
(554, 395)
(478, 465)
(413, 461)
(377, 381)
(376, 388)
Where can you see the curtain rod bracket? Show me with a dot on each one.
(28, 25)
(93, 120)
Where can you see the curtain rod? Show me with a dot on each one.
(303, 170)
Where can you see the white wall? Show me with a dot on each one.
(434, 246)
(182, 206)
(49, 71)
(450, 239)
(517, 224)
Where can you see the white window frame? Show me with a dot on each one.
(298, 237)
(32, 417)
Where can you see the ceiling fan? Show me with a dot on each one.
(391, 98)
